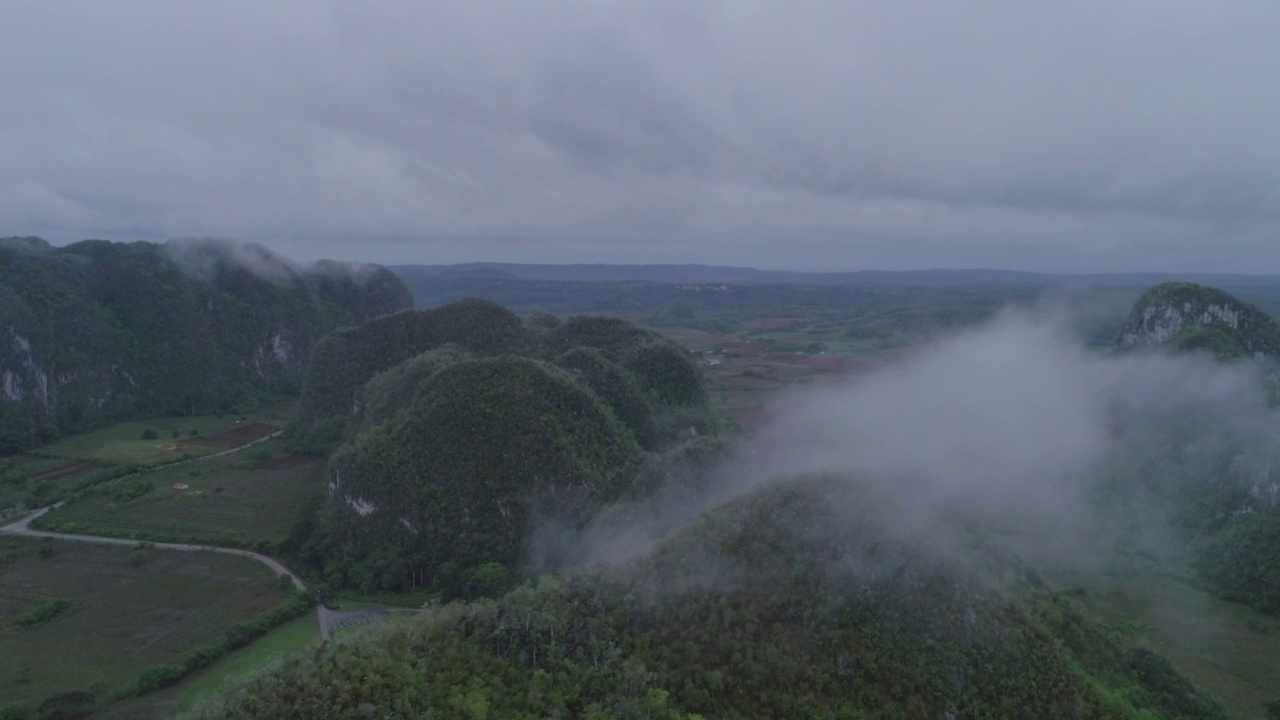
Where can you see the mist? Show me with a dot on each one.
(201, 256)
(1012, 430)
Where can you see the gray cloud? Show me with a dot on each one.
(1013, 427)
(1089, 135)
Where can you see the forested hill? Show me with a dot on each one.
(97, 331)
(792, 602)
(455, 431)
(1188, 316)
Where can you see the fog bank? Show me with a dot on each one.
(1012, 428)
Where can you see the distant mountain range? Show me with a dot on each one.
(679, 274)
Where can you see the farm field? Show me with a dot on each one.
(122, 611)
(244, 499)
(28, 482)
(292, 637)
(746, 368)
(161, 440)
(52, 469)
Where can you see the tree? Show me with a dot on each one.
(489, 580)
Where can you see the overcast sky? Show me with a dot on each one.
(1110, 135)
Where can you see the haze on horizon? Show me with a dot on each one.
(827, 135)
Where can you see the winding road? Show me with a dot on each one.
(327, 619)
(23, 527)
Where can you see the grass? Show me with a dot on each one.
(124, 612)
(294, 636)
(1224, 648)
(124, 443)
(45, 480)
(227, 500)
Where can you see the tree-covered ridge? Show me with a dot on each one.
(99, 331)
(345, 360)
(463, 467)
(454, 431)
(1187, 316)
(665, 374)
(788, 603)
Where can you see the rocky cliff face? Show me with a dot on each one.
(1187, 316)
(99, 331)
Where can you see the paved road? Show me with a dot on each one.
(329, 620)
(23, 527)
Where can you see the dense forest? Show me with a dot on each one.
(454, 431)
(796, 601)
(97, 331)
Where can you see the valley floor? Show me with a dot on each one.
(1225, 648)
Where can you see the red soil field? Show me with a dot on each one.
(62, 471)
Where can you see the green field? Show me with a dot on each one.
(1224, 648)
(130, 443)
(128, 610)
(294, 636)
(226, 500)
(28, 482)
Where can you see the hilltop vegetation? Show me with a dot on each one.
(788, 603)
(457, 474)
(98, 331)
(454, 431)
(344, 361)
(1187, 316)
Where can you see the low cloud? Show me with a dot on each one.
(1011, 429)
(202, 255)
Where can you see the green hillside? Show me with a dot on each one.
(460, 471)
(99, 331)
(453, 432)
(791, 603)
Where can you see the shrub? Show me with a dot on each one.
(67, 706)
(159, 676)
(135, 489)
(44, 612)
(149, 434)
